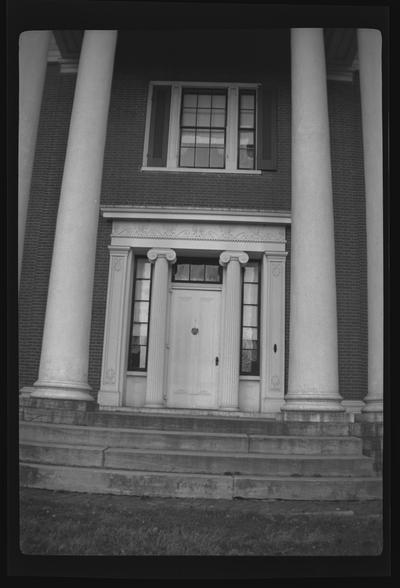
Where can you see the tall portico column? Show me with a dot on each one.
(63, 369)
(158, 325)
(369, 54)
(33, 48)
(230, 351)
(313, 354)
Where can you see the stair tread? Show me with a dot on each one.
(183, 432)
(232, 454)
(205, 474)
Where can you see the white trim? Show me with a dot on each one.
(276, 217)
(197, 170)
(147, 124)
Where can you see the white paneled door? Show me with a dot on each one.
(194, 348)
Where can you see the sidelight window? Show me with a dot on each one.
(137, 359)
(250, 335)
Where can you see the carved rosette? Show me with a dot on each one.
(168, 254)
(228, 256)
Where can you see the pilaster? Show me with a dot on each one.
(115, 343)
(230, 351)
(155, 390)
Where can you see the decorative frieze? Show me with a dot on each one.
(198, 231)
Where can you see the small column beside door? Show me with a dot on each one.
(230, 351)
(155, 390)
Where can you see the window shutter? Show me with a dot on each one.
(159, 126)
(266, 127)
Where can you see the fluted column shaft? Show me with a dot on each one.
(369, 54)
(63, 371)
(155, 389)
(313, 354)
(230, 352)
(33, 48)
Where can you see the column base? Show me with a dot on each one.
(311, 409)
(61, 391)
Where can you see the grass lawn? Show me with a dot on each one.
(68, 523)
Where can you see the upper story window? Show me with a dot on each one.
(210, 127)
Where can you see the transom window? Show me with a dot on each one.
(249, 346)
(203, 128)
(197, 270)
(137, 357)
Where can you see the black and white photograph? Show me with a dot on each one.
(201, 320)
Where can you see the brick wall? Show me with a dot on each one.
(124, 183)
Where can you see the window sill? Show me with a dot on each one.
(134, 373)
(254, 172)
(244, 377)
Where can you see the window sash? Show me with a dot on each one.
(232, 121)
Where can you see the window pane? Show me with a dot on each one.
(187, 157)
(203, 118)
(143, 353)
(182, 272)
(189, 117)
(249, 344)
(139, 333)
(250, 293)
(190, 100)
(218, 118)
(188, 138)
(141, 312)
(212, 273)
(246, 138)
(249, 361)
(218, 101)
(204, 101)
(202, 138)
(246, 119)
(217, 138)
(251, 273)
(202, 157)
(143, 268)
(217, 158)
(197, 272)
(246, 101)
(142, 290)
(250, 316)
(246, 158)
(249, 334)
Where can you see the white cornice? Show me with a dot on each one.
(198, 215)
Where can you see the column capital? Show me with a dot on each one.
(227, 256)
(168, 254)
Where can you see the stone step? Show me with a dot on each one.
(183, 422)
(196, 461)
(183, 485)
(188, 440)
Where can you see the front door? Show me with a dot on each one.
(193, 348)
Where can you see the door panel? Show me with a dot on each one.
(193, 347)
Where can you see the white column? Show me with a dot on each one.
(230, 350)
(33, 48)
(155, 390)
(369, 55)
(313, 354)
(63, 369)
(113, 370)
